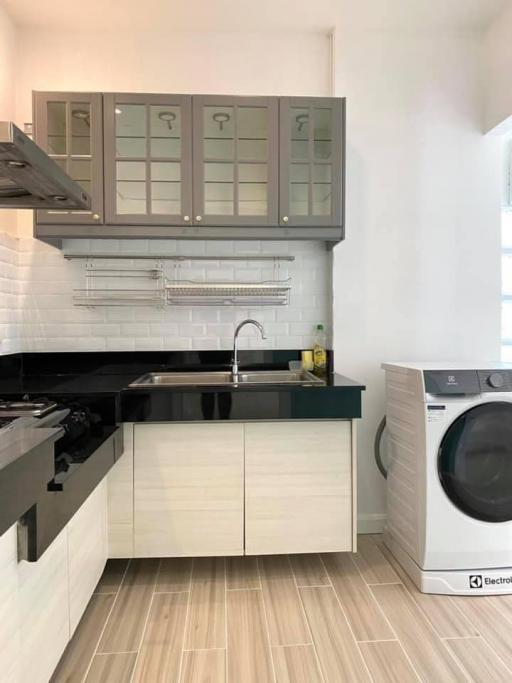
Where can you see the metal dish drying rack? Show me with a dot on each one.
(150, 287)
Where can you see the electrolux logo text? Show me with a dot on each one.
(479, 581)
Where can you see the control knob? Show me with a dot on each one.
(496, 380)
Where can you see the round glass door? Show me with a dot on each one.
(475, 462)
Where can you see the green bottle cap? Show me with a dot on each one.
(319, 327)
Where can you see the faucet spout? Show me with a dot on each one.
(249, 321)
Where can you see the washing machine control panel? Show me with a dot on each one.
(465, 382)
(495, 380)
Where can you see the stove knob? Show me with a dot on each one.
(496, 380)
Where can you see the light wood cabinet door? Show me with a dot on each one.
(298, 487)
(10, 625)
(120, 500)
(188, 489)
(87, 551)
(43, 609)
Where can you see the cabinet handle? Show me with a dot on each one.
(96, 216)
(285, 219)
(186, 218)
(199, 219)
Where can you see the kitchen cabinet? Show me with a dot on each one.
(298, 487)
(10, 626)
(120, 500)
(43, 609)
(87, 551)
(251, 488)
(197, 166)
(148, 159)
(188, 489)
(69, 127)
(42, 602)
(311, 161)
(235, 160)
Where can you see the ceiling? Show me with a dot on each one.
(251, 15)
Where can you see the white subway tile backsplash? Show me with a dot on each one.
(37, 312)
(120, 344)
(135, 329)
(205, 315)
(220, 330)
(205, 343)
(191, 330)
(177, 343)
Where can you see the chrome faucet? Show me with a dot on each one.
(249, 321)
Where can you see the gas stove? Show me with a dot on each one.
(26, 408)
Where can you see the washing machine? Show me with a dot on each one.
(449, 481)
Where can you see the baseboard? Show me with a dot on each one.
(371, 524)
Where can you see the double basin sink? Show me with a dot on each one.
(299, 377)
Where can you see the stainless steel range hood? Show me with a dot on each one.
(29, 179)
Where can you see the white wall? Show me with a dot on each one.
(418, 277)
(497, 70)
(7, 96)
(7, 59)
(9, 327)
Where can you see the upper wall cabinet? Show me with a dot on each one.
(311, 161)
(148, 159)
(235, 160)
(69, 127)
(197, 166)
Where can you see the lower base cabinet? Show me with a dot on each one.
(42, 602)
(87, 551)
(298, 487)
(188, 489)
(200, 489)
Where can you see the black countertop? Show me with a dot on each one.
(109, 374)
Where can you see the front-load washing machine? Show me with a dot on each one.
(449, 483)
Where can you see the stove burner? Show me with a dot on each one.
(21, 408)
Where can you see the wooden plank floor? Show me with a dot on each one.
(330, 618)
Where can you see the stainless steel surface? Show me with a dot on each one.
(240, 326)
(175, 257)
(198, 379)
(191, 293)
(29, 179)
(23, 408)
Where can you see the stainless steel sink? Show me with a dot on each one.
(201, 379)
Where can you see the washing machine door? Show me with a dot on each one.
(475, 462)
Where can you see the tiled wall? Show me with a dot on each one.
(10, 341)
(50, 322)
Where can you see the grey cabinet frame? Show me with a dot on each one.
(271, 104)
(58, 225)
(40, 102)
(336, 218)
(110, 100)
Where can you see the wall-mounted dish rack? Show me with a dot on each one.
(103, 287)
(150, 286)
(190, 293)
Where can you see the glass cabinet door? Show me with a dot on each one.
(148, 159)
(69, 127)
(235, 160)
(311, 171)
